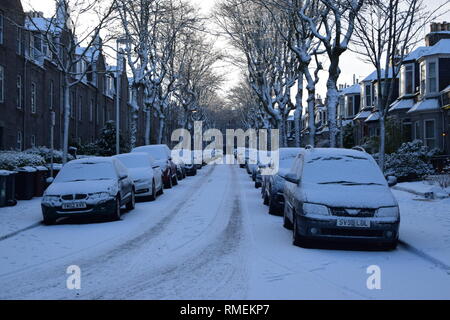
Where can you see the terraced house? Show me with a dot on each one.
(31, 82)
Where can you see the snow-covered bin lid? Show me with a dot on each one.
(27, 169)
(41, 168)
(6, 173)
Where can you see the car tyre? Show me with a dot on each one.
(153, 195)
(274, 209)
(298, 240)
(175, 180)
(287, 224)
(116, 215)
(48, 221)
(391, 246)
(169, 184)
(132, 203)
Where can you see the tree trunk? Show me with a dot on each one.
(162, 123)
(298, 113)
(381, 156)
(333, 100)
(148, 125)
(66, 92)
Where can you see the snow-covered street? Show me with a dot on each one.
(211, 238)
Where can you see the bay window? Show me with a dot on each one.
(432, 77)
(407, 75)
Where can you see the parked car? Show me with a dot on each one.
(181, 169)
(146, 174)
(163, 158)
(89, 187)
(273, 185)
(340, 195)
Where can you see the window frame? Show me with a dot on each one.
(404, 82)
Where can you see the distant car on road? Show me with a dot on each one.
(273, 185)
(89, 187)
(340, 195)
(146, 174)
(163, 158)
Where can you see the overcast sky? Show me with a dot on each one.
(350, 62)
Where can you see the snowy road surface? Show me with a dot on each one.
(211, 238)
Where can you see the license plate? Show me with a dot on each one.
(74, 205)
(354, 223)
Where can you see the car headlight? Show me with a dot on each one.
(51, 200)
(99, 196)
(315, 209)
(388, 212)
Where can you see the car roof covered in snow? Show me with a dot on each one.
(330, 152)
(92, 160)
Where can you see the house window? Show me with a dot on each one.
(407, 79)
(33, 141)
(350, 106)
(368, 92)
(430, 134)
(2, 84)
(19, 40)
(80, 109)
(1, 27)
(422, 78)
(19, 140)
(19, 97)
(417, 135)
(432, 77)
(33, 98)
(51, 93)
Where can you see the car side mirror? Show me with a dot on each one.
(123, 177)
(50, 180)
(392, 181)
(292, 178)
(156, 167)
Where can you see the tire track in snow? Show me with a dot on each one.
(15, 233)
(215, 271)
(424, 256)
(91, 265)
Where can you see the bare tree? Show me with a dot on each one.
(385, 32)
(70, 45)
(270, 63)
(333, 25)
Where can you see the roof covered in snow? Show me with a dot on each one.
(354, 89)
(403, 104)
(425, 105)
(373, 76)
(375, 116)
(364, 114)
(442, 47)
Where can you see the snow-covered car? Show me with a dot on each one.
(181, 169)
(273, 185)
(89, 187)
(340, 195)
(146, 174)
(163, 158)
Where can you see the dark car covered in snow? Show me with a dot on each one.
(340, 195)
(87, 188)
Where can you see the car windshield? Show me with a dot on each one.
(340, 169)
(157, 153)
(86, 172)
(287, 158)
(132, 162)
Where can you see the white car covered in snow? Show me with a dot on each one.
(87, 188)
(340, 195)
(146, 174)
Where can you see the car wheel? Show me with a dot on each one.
(298, 240)
(48, 221)
(266, 200)
(274, 208)
(153, 196)
(115, 216)
(169, 184)
(287, 224)
(175, 180)
(257, 185)
(132, 203)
